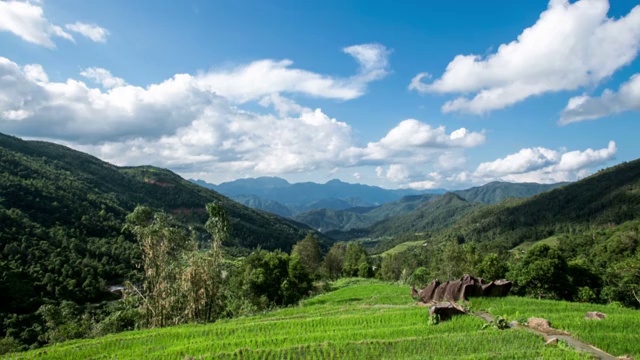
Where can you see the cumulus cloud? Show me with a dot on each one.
(266, 77)
(191, 124)
(541, 165)
(570, 46)
(91, 31)
(103, 77)
(581, 108)
(27, 21)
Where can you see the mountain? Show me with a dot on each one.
(300, 197)
(607, 198)
(256, 202)
(345, 220)
(437, 213)
(495, 192)
(360, 217)
(62, 213)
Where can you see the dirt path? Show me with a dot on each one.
(571, 341)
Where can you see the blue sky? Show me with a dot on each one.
(417, 94)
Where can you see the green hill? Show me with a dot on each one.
(363, 320)
(62, 214)
(495, 192)
(609, 197)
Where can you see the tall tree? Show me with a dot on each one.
(309, 253)
(334, 260)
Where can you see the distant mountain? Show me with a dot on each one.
(495, 192)
(360, 217)
(344, 220)
(300, 197)
(256, 202)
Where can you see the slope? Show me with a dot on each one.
(366, 320)
(495, 192)
(611, 196)
(62, 214)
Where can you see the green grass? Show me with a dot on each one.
(361, 319)
(552, 241)
(402, 247)
(618, 334)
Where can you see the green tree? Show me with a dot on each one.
(334, 261)
(542, 272)
(492, 267)
(309, 253)
(356, 261)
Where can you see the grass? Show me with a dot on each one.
(618, 334)
(552, 241)
(361, 319)
(402, 247)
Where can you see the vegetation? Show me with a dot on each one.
(62, 240)
(362, 319)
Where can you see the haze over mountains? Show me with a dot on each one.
(338, 205)
(281, 197)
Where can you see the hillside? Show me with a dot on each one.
(365, 320)
(344, 220)
(360, 217)
(609, 197)
(62, 214)
(495, 192)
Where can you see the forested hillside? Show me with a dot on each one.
(609, 197)
(62, 214)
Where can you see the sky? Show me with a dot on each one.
(398, 94)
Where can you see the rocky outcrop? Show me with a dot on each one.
(459, 290)
(594, 315)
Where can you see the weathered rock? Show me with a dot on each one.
(540, 324)
(446, 310)
(552, 342)
(459, 290)
(625, 357)
(594, 315)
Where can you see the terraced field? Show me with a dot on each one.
(618, 334)
(359, 320)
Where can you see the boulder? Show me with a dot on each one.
(459, 290)
(540, 324)
(446, 310)
(552, 342)
(594, 315)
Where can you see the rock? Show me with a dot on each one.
(552, 342)
(459, 290)
(539, 324)
(594, 315)
(446, 310)
(625, 357)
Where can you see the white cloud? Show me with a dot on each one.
(267, 77)
(27, 21)
(91, 31)
(541, 165)
(181, 124)
(570, 46)
(581, 108)
(103, 77)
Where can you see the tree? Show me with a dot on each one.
(492, 267)
(309, 253)
(334, 260)
(542, 272)
(161, 246)
(356, 261)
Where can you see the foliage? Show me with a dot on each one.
(356, 261)
(309, 253)
(492, 267)
(333, 262)
(542, 272)
(499, 323)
